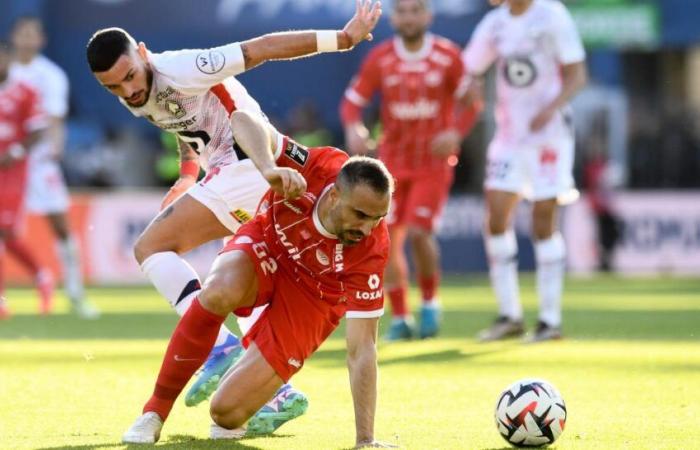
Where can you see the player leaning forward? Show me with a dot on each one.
(315, 252)
(193, 93)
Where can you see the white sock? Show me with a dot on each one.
(176, 280)
(502, 251)
(550, 256)
(69, 253)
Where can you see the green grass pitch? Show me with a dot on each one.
(629, 370)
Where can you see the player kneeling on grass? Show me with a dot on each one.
(315, 252)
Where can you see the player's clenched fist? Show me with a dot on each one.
(285, 181)
(359, 28)
(180, 186)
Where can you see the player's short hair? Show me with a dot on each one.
(106, 46)
(368, 171)
(424, 3)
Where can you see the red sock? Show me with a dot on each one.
(428, 287)
(399, 302)
(189, 347)
(20, 251)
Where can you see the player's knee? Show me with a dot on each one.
(418, 234)
(219, 293)
(142, 249)
(497, 224)
(229, 418)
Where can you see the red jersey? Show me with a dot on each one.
(303, 248)
(417, 101)
(20, 113)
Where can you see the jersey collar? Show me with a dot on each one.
(317, 220)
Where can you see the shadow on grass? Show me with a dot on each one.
(180, 441)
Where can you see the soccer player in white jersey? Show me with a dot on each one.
(193, 93)
(540, 65)
(47, 194)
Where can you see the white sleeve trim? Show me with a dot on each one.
(364, 314)
(352, 95)
(280, 146)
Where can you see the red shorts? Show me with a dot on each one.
(296, 321)
(13, 182)
(419, 200)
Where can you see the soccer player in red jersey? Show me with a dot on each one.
(21, 120)
(315, 252)
(416, 74)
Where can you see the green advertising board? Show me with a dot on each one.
(617, 23)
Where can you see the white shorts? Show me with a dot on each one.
(232, 192)
(46, 188)
(536, 172)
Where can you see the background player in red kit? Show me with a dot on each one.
(417, 74)
(21, 119)
(312, 258)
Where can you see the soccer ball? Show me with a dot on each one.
(530, 413)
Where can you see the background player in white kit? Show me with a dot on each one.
(47, 194)
(192, 93)
(540, 65)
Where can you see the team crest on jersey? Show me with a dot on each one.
(241, 215)
(322, 257)
(175, 109)
(211, 62)
(296, 153)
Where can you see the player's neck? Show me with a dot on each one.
(24, 58)
(519, 8)
(415, 44)
(324, 209)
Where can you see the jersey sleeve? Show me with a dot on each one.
(566, 38)
(367, 81)
(55, 94)
(199, 69)
(481, 51)
(322, 161)
(365, 288)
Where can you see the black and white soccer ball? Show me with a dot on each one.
(530, 413)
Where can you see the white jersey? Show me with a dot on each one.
(51, 82)
(528, 51)
(193, 95)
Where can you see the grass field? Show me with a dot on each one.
(629, 371)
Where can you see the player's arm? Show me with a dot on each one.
(19, 150)
(358, 94)
(361, 337)
(574, 77)
(189, 171)
(259, 141)
(477, 57)
(295, 44)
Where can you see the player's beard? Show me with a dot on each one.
(412, 36)
(146, 93)
(350, 237)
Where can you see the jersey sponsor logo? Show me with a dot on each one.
(162, 95)
(296, 153)
(421, 109)
(211, 62)
(338, 257)
(284, 240)
(373, 295)
(241, 215)
(322, 257)
(373, 281)
(294, 362)
(182, 125)
(519, 71)
(175, 109)
(292, 207)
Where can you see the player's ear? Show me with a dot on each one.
(143, 51)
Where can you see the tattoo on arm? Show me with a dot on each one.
(166, 212)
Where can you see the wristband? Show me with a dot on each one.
(189, 168)
(326, 41)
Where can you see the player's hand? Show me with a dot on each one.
(375, 444)
(446, 143)
(358, 142)
(285, 181)
(542, 118)
(180, 186)
(470, 91)
(359, 28)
